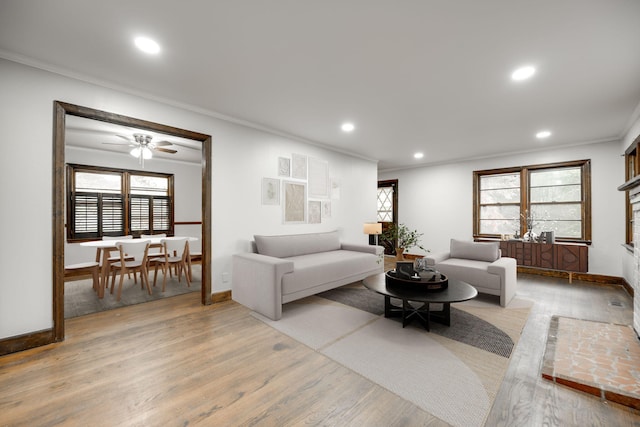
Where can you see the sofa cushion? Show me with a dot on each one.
(319, 268)
(480, 251)
(297, 244)
(471, 271)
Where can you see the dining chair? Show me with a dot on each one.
(154, 252)
(195, 256)
(84, 268)
(113, 256)
(133, 258)
(176, 251)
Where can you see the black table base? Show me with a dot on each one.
(423, 313)
(390, 287)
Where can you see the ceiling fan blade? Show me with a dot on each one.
(162, 143)
(126, 138)
(186, 146)
(165, 150)
(121, 143)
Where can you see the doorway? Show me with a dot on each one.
(61, 112)
(388, 210)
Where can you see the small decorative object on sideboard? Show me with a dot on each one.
(547, 237)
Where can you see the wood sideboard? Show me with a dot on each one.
(555, 256)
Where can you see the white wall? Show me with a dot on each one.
(438, 200)
(241, 157)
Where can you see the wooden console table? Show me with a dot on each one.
(571, 257)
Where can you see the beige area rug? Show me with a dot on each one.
(451, 380)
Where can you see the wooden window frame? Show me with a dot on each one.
(632, 170)
(525, 196)
(125, 192)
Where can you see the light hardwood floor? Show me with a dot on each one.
(174, 362)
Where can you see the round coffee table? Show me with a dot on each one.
(457, 291)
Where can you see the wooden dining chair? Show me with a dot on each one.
(83, 269)
(133, 258)
(195, 257)
(113, 256)
(176, 251)
(155, 252)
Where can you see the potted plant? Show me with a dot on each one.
(403, 238)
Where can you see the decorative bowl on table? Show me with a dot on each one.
(426, 280)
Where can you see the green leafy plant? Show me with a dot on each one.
(403, 237)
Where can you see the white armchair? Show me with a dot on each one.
(479, 264)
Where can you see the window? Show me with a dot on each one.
(632, 170)
(499, 203)
(114, 202)
(554, 197)
(385, 204)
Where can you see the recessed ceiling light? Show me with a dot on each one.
(147, 45)
(543, 134)
(418, 155)
(523, 73)
(347, 127)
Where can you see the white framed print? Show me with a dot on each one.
(294, 203)
(318, 171)
(315, 212)
(298, 166)
(284, 166)
(270, 191)
(326, 209)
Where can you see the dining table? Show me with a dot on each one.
(105, 247)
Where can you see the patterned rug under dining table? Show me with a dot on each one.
(105, 247)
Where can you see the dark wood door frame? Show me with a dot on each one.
(60, 111)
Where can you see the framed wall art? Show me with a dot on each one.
(326, 209)
(318, 172)
(298, 166)
(315, 212)
(270, 191)
(284, 166)
(294, 203)
(335, 189)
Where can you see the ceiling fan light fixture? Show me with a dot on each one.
(146, 153)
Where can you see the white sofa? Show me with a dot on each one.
(289, 267)
(479, 264)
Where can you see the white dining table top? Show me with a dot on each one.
(112, 243)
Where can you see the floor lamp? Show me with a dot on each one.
(372, 228)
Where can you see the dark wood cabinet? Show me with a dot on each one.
(556, 256)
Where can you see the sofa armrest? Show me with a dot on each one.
(257, 282)
(507, 269)
(372, 249)
(434, 259)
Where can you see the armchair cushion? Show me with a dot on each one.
(479, 251)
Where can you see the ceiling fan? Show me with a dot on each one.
(143, 146)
